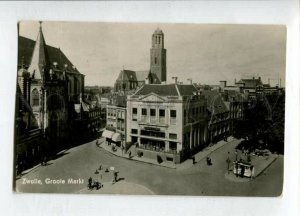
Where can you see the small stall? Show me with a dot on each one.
(243, 169)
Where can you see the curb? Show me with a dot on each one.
(135, 159)
(266, 167)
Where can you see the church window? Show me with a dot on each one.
(158, 40)
(35, 97)
(155, 60)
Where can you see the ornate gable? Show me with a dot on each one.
(152, 98)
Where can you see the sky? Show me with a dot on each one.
(206, 53)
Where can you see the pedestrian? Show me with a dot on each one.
(100, 167)
(242, 171)
(129, 154)
(193, 159)
(228, 164)
(116, 176)
(90, 182)
(45, 161)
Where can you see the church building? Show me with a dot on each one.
(157, 74)
(49, 96)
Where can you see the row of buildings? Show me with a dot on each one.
(174, 120)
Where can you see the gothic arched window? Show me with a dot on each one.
(155, 60)
(35, 97)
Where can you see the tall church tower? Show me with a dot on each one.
(158, 56)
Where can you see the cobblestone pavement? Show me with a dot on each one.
(81, 162)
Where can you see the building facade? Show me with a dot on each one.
(166, 122)
(49, 88)
(115, 131)
(219, 121)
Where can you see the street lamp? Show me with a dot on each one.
(236, 155)
(228, 162)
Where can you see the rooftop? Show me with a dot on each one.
(167, 89)
(25, 51)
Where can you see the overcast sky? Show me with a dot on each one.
(205, 53)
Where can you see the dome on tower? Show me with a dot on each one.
(158, 31)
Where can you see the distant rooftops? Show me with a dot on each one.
(250, 83)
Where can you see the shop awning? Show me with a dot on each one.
(107, 134)
(116, 137)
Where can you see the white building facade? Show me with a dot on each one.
(166, 122)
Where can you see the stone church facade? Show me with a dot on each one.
(49, 88)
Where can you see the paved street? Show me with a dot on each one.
(141, 178)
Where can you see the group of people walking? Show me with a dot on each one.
(97, 184)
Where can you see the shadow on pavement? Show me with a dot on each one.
(120, 179)
(54, 157)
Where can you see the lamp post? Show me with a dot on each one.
(228, 162)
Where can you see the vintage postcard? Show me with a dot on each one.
(150, 109)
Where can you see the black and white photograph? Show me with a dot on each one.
(150, 108)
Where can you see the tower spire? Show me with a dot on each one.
(40, 25)
(39, 59)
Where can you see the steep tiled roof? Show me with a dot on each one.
(232, 95)
(25, 50)
(127, 75)
(167, 89)
(186, 90)
(163, 90)
(215, 104)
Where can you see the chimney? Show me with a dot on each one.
(190, 81)
(147, 80)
